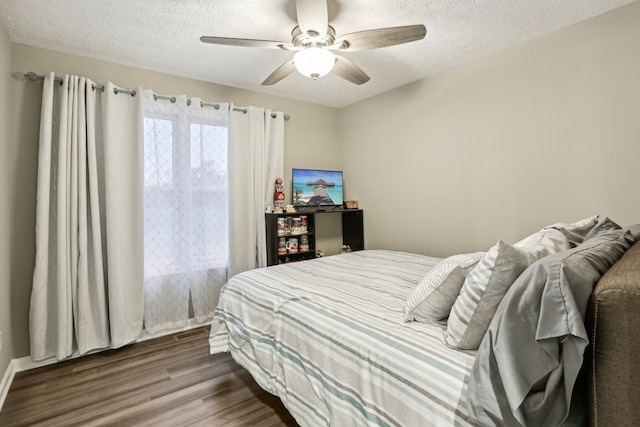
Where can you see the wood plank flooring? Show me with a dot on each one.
(168, 381)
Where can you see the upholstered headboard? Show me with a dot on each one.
(613, 362)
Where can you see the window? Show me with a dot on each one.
(186, 200)
(186, 212)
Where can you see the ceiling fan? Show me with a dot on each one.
(315, 42)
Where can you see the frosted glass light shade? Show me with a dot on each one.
(314, 62)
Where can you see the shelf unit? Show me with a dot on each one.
(352, 233)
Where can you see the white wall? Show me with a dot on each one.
(6, 352)
(544, 132)
(310, 126)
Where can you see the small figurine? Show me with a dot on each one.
(278, 195)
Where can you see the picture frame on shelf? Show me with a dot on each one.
(350, 204)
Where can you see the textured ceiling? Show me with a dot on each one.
(163, 35)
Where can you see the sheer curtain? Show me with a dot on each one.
(186, 206)
(87, 281)
(140, 219)
(256, 159)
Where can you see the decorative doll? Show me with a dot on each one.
(278, 195)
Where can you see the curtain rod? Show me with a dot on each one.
(35, 77)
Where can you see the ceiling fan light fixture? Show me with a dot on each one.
(314, 62)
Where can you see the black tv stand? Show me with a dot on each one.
(352, 232)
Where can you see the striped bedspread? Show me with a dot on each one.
(328, 337)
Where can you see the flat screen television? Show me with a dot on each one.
(312, 187)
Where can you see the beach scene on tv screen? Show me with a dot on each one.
(316, 187)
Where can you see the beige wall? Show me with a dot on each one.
(310, 126)
(543, 132)
(495, 149)
(6, 353)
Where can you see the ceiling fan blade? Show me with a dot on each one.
(349, 71)
(312, 16)
(381, 37)
(280, 73)
(227, 41)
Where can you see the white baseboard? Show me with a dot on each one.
(25, 363)
(7, 379)
(19, 365)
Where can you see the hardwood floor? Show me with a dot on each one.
(169, 381)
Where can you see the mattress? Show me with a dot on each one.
(328, 337)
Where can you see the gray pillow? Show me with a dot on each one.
(482, 291)
(603, 226)
(434, 296)
(635, 231)
(489, 281)
(528, 361)
(576, 232)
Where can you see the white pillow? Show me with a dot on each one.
(434, 296)
(543, 243)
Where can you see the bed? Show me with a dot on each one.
(330, 337)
